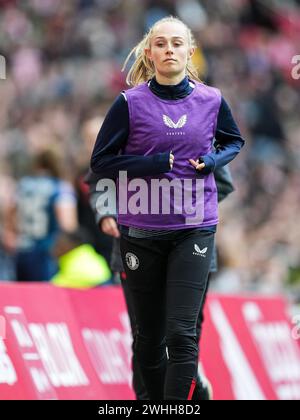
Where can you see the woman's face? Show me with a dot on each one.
(169, 49)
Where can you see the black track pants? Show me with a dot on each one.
(167, 280)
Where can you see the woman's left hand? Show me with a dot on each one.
(198, 166)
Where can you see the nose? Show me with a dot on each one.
(169, 49)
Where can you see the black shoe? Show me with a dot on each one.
(203, 389)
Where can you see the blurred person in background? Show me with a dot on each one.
(44, 204)
(7, 236)
(102, 243)
(79, 264)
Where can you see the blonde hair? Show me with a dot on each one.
(143, 69)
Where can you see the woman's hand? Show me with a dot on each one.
(171, 159)
(109, 226)
(198, 166)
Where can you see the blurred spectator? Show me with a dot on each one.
(79, 265)
(45, 204)
(101, 242)
(7, 237)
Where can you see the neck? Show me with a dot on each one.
(169, 80)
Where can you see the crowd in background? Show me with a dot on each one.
(63, 70)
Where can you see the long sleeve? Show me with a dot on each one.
(228, 141)
(107, 160)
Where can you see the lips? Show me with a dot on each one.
(169, 59)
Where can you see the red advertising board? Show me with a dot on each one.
(107, 339)
(68, 344)
(250, 350)
(44, 346)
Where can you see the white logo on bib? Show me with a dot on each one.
(180, 123)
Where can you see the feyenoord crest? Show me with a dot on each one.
(132, 261)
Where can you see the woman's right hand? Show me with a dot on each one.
(109, 226)
(171, 159)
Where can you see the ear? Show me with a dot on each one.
(191, 52)
(148, 53)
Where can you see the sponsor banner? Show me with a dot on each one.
(68, 344)
(249, 350)
(43, 355)
(105, 330)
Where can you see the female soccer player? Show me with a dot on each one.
(161, 132)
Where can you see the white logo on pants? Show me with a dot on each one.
(200, 252)
(132, 261)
